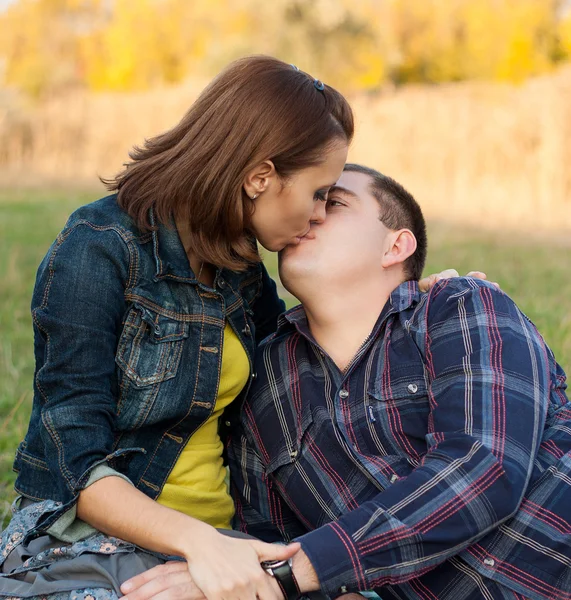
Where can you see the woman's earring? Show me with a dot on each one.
(254, 196)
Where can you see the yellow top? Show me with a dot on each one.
(197, 484)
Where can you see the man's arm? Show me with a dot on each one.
(489, 393)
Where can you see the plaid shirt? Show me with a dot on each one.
(441, 455)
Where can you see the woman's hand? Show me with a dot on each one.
(426, 283)
(226, 568)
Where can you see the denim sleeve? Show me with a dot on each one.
(267, 307)
(77, 308)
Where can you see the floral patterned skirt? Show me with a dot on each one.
(46, 568)
(92, 569)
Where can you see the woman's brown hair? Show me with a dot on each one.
(258, 108)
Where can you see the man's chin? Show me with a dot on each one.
(296, 272)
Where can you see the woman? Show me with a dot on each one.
(146, 312)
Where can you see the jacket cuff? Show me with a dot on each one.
(68, 527)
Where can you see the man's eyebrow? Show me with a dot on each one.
(341, 190)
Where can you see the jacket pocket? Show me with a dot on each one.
(150, 346)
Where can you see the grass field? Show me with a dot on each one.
(534, 271)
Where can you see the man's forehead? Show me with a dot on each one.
(340, 189)
(352, 183)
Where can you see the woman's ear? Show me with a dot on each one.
(401, 245)
(258, 179)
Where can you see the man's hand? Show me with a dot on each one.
(171, 581)
(426, 283)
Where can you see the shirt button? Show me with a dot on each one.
(227, 423)
(490, 562)
(343, 589)
(343, 394)
(412, 388)
(254, 375)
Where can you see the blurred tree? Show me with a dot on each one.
(334, 40)
(565, 34)
(443, 40)
(39, 42)
(151, 42)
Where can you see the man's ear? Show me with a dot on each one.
(258, 179)
(400, 245)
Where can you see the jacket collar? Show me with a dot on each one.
(172, 262)
(169, 253)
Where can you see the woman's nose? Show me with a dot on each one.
(319, 212)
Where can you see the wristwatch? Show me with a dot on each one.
(282, 572)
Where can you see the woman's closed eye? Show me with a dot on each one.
(321, 195)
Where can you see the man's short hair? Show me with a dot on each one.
(399, 210)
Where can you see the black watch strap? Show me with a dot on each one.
(286, 580)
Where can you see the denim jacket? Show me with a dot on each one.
(128, 348)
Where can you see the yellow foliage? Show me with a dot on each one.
(506, 40)
(352, 44)
(565, 34)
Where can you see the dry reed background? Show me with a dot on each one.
(488, 154)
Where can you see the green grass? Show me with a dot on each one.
(533, 270)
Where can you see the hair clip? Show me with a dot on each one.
(319, 85)
(296, 68)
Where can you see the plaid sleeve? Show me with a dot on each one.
(260, 511)
(488, 393)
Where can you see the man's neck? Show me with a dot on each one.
(342, 320)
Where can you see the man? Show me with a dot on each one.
(416, 445)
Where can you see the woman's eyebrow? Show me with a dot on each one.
(341, 190)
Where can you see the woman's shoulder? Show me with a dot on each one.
(103, 215)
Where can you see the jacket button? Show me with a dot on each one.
(227, 423)
(490, 562)
(293, 454)
(343, 589)
(412, 388)
(343, 394)
(247, 330)
(221, 283)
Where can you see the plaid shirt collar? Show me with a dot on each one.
(405, 296)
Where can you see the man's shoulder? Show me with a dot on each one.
(459, 286)
(476, 295)
(272, 354)
(463, 303)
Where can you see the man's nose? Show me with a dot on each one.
(319, 212)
